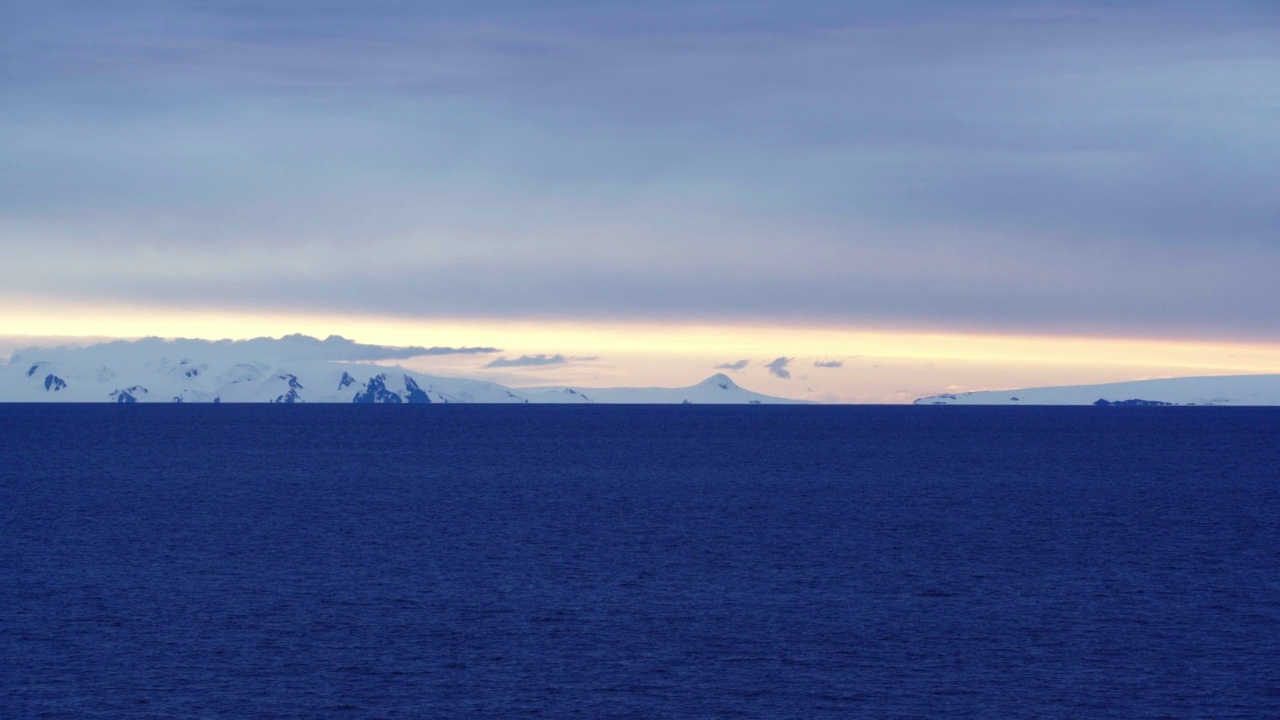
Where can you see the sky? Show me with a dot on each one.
(847, 201)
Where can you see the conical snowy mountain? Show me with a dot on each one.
(153, 370)
(717, 389)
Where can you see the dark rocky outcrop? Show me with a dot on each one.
(129, 394)
(292, 396)
(1135, 402)
(375, 391)
(413, 393)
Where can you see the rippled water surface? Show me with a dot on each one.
(484, 561)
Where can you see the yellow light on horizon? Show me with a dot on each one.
(718, 342)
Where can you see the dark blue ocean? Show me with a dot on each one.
(638, 562)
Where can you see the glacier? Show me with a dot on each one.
(183, 371)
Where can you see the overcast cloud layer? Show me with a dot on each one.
(1105, 167)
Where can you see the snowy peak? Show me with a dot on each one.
(720, 381)
(133, 394)
(377, 391)
(718, 389)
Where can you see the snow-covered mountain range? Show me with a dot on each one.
(294, 369)
(1213, 390)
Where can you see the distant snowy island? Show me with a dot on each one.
(1211, 390)
(293, 369)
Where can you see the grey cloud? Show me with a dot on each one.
(336, 347)
(540, 360)
(288, 347)
(828, 363)
(734, 366)
(778, 367)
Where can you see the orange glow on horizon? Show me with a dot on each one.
(691, 346)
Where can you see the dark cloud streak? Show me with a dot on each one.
(528, 361)
(1122, 298)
